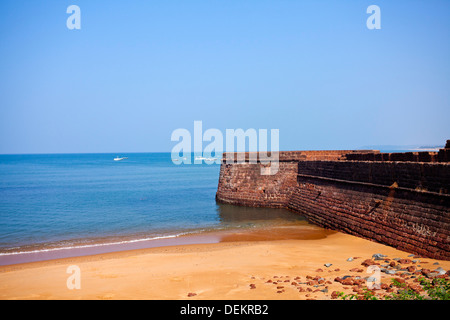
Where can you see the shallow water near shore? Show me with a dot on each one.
(292, 231)
(72, 204)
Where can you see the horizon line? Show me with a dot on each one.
(374, 147)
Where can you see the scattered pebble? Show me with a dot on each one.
(401, 267)
(335, 295)
(404, 261)
(378, 256)
(412, 269)
(440, 270)
(369, 262)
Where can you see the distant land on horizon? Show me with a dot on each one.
(381, 148)
(401, 148)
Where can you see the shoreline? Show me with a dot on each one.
(290, 231)
(238, 267)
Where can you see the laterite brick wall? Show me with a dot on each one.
(404, 204)
(399, 204)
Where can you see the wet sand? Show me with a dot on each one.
(295, 230)
(275, 263)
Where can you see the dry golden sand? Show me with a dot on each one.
(226, 270)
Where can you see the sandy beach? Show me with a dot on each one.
(264, 264)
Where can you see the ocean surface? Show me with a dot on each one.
(55, 202)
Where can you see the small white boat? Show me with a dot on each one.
(120, 159)
(206, 159)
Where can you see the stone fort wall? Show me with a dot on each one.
(391, 198)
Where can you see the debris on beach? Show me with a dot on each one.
(395, 275)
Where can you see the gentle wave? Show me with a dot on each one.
(92, 245)
(249, 225)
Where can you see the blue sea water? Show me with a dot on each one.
(53, 201)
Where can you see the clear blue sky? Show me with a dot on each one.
(137, 70)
